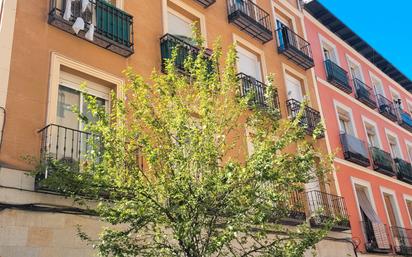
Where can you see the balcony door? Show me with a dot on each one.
(294, 88)
(179, 26)
(329, 53)
(249, 63)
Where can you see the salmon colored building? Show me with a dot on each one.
(366, 105)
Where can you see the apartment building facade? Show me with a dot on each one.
(51, 47)
(366, 104)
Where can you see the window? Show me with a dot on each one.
(390, 205)
(294, 88)
(372, 135)
(396, 98)
(394, 146)
(179, 25)
(1, 12)
(409, 207)
(249, 63)
(409, 150)
(355, 70)
(345, 123)
(377, 85)
(329, 51)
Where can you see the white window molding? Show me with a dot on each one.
(366, 121)
(388, 134)
(325, 43)
(406, 199)
(365, 185)
(373, 78)
(339, 106)
(275, 7)
(288, 69)
(395, 206)
(351, 61)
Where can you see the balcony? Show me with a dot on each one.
(184, 49)
(405, 120)
(296, 209)
(205, 3)
(386, 108)
(250, 18)
(310, 118)
(113, 27)
(376, 237)
(249, 85)
(327, 207)
(337, 76)
(402, 239)
(62, 144)
(364, 93)
(354, 150)
(404, 170)
(294, 47)
(382, 161)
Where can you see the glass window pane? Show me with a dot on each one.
(67, 99)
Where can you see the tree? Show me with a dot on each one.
(197, 193)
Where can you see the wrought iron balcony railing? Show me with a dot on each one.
(377, 239)
(294, 47)
(250, 18)
(327, 207)
(404, 170)
(310, 118)
(354, 150)
(205, 3)
(258, 91)
(364, 93)
(113, 28)
(63, 144)
(382, 161)
(296, 209)
(404, 119)
(402, 239)
(386, 108)
(337, 76)
(184, 49)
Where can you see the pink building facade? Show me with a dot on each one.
(366, 108)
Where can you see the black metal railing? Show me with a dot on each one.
(258, 91)
(386, 108)
(377, 239)
(294, 47)
(404, 170)
(296, 212)
(113, 26)
(184, 49)
(354, 149)
(364, 93)
(404, 119)
(337, 76)
(250, 18)
(310, 118)
(63, 144)
(324, 207)
(382, 161)
(205, 3)
(402, 239)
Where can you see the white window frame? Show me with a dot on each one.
(392, 134)
(408, 198)
(399, 96)
(376, 78)
(237, 39)
(408, 145)
(368, 122)
(305, 86)
(398, 215)
(202, 20)
(337, 106)
(285, 13)
(325, 42)
(249, 143)
(350, 61)
(369, 193)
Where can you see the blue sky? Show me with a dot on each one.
(385, 25)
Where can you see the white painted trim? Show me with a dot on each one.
(58, 60)
(260, 52)
(290, 7)
(392, 193)
(358, 103)
(373, 77)
(394, 135)
(350, 60)
(369, 193)
(189, 9)
(338, 105)
(374, 125)
(287, 69)
(408, 198)
(324, 41)
(354, 52)
(284, 12)
(408, 145)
